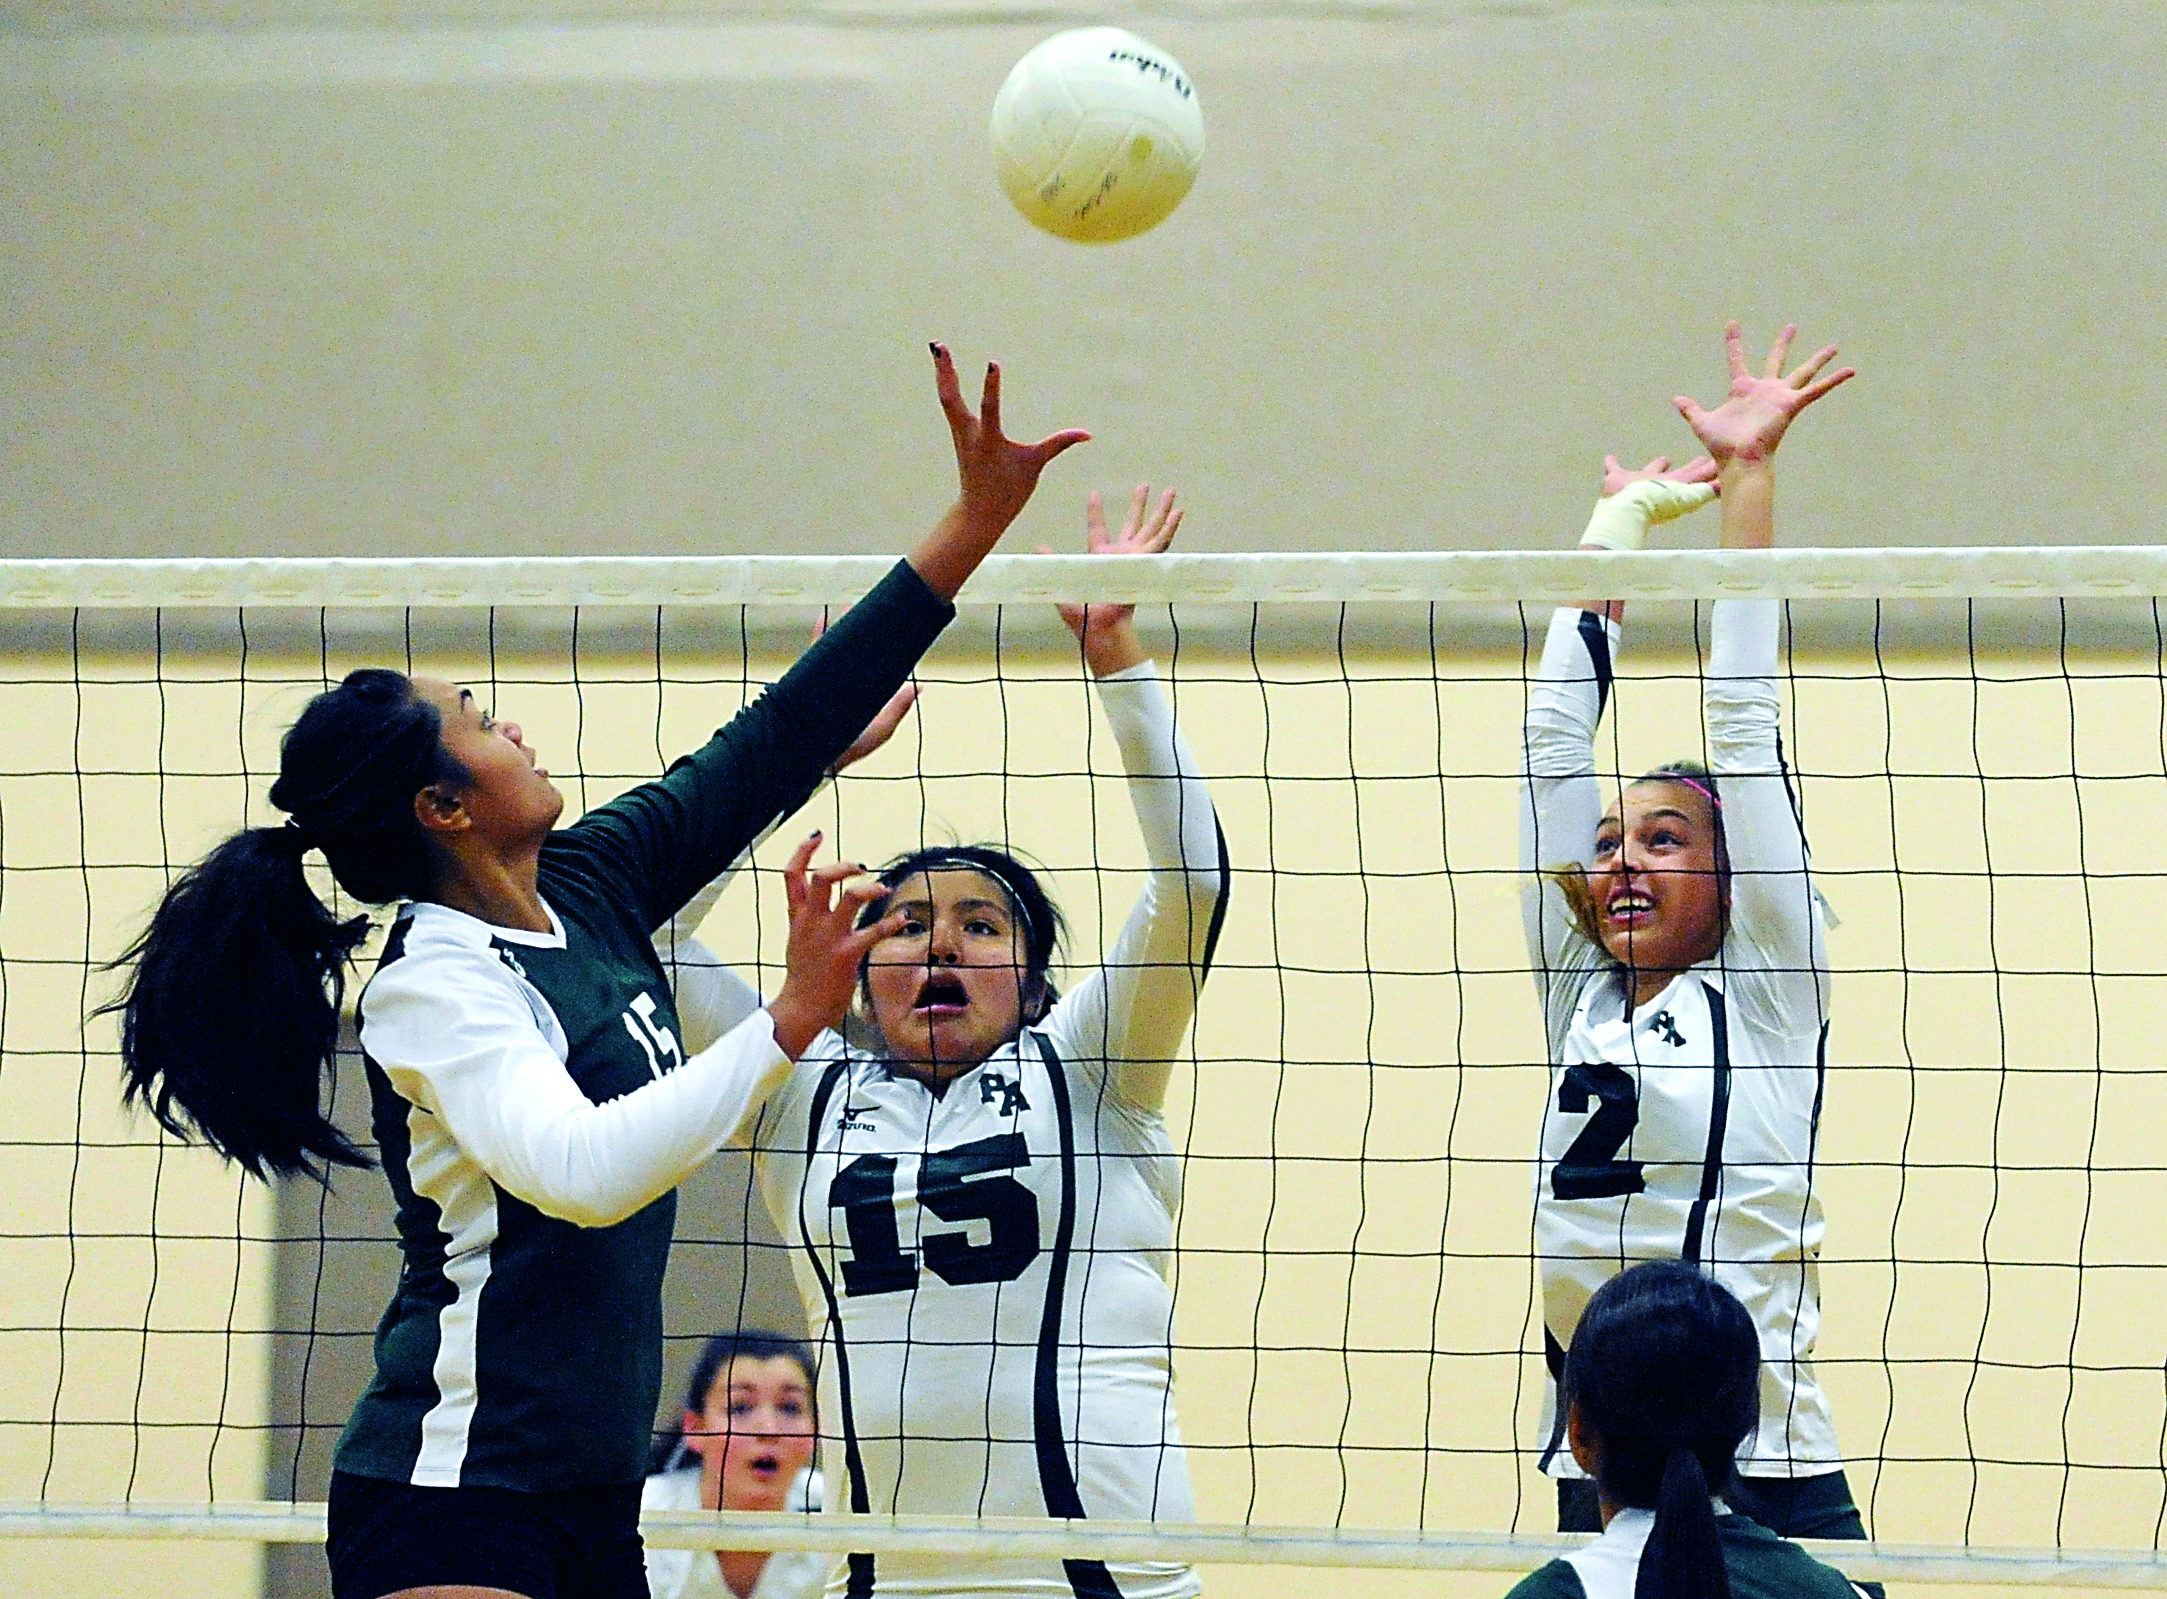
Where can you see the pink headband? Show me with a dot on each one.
(1693, 783)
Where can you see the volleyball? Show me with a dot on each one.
(1097, 135)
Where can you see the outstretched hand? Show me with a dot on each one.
(1701, 469)
(1107, 632)
(998, 473)
(1750, 422)
(826, 947)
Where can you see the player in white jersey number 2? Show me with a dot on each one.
(1680, 953)
(982, 1199)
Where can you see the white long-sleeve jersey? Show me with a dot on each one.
(985, 1270)
(1684, 1128)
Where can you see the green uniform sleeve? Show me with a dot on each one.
(656, 846)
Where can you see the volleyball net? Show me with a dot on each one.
(1979, 740)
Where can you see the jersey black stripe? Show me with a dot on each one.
(1719, 1115)
(861, 1565)
(1218, 910)
(1553, 1354)
(1597, 638)
(1088, 1579)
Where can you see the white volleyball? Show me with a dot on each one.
(1097, 135)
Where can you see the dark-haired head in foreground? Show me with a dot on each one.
(1661, 1387)
(1662, 1384)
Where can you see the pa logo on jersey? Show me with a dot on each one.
(1665, 1027)
(1010, 1093)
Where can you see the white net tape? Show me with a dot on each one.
(1531, 577)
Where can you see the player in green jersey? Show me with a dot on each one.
(533, 1105)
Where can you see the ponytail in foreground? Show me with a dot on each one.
(1664, 1374)
(229, 1018)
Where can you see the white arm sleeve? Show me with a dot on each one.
(456, 1037)
(1561, 803)
(1132, 1012)
(1777, 943)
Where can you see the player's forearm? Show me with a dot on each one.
(678, 832)
(1749, 503)
(530, 1128)
(1771, 896)
(711, 998)
(1565, 702)
(1173, 803)
(1148, 988)
(948, 555)
(1113, 646)
(1738, 694)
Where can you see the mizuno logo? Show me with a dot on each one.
(855, 1119)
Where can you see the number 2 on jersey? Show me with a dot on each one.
(1590, 1168)
(952, 1185)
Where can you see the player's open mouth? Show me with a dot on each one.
(941, 996)
(764, 1466)
(1630, 906)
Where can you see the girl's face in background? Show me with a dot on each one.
(1658, 896)
(755, 1434)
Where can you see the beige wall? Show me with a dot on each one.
(461, 278)
(1358, 1122)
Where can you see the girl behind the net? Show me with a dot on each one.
(1680, 955)
(981, 1188)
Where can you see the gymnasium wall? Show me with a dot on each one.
(520, 276)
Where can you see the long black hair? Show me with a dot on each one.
(1044, 928)
(229, 1017)
(1664, 1373)
(715, 1358)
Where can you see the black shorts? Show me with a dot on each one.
(582, 1543)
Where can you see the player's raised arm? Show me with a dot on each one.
(1772, 905)
(1133, 1010)
(1561, 803)
(665, 840)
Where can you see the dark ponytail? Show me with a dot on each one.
(1664, 1376)
(229, 1018)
